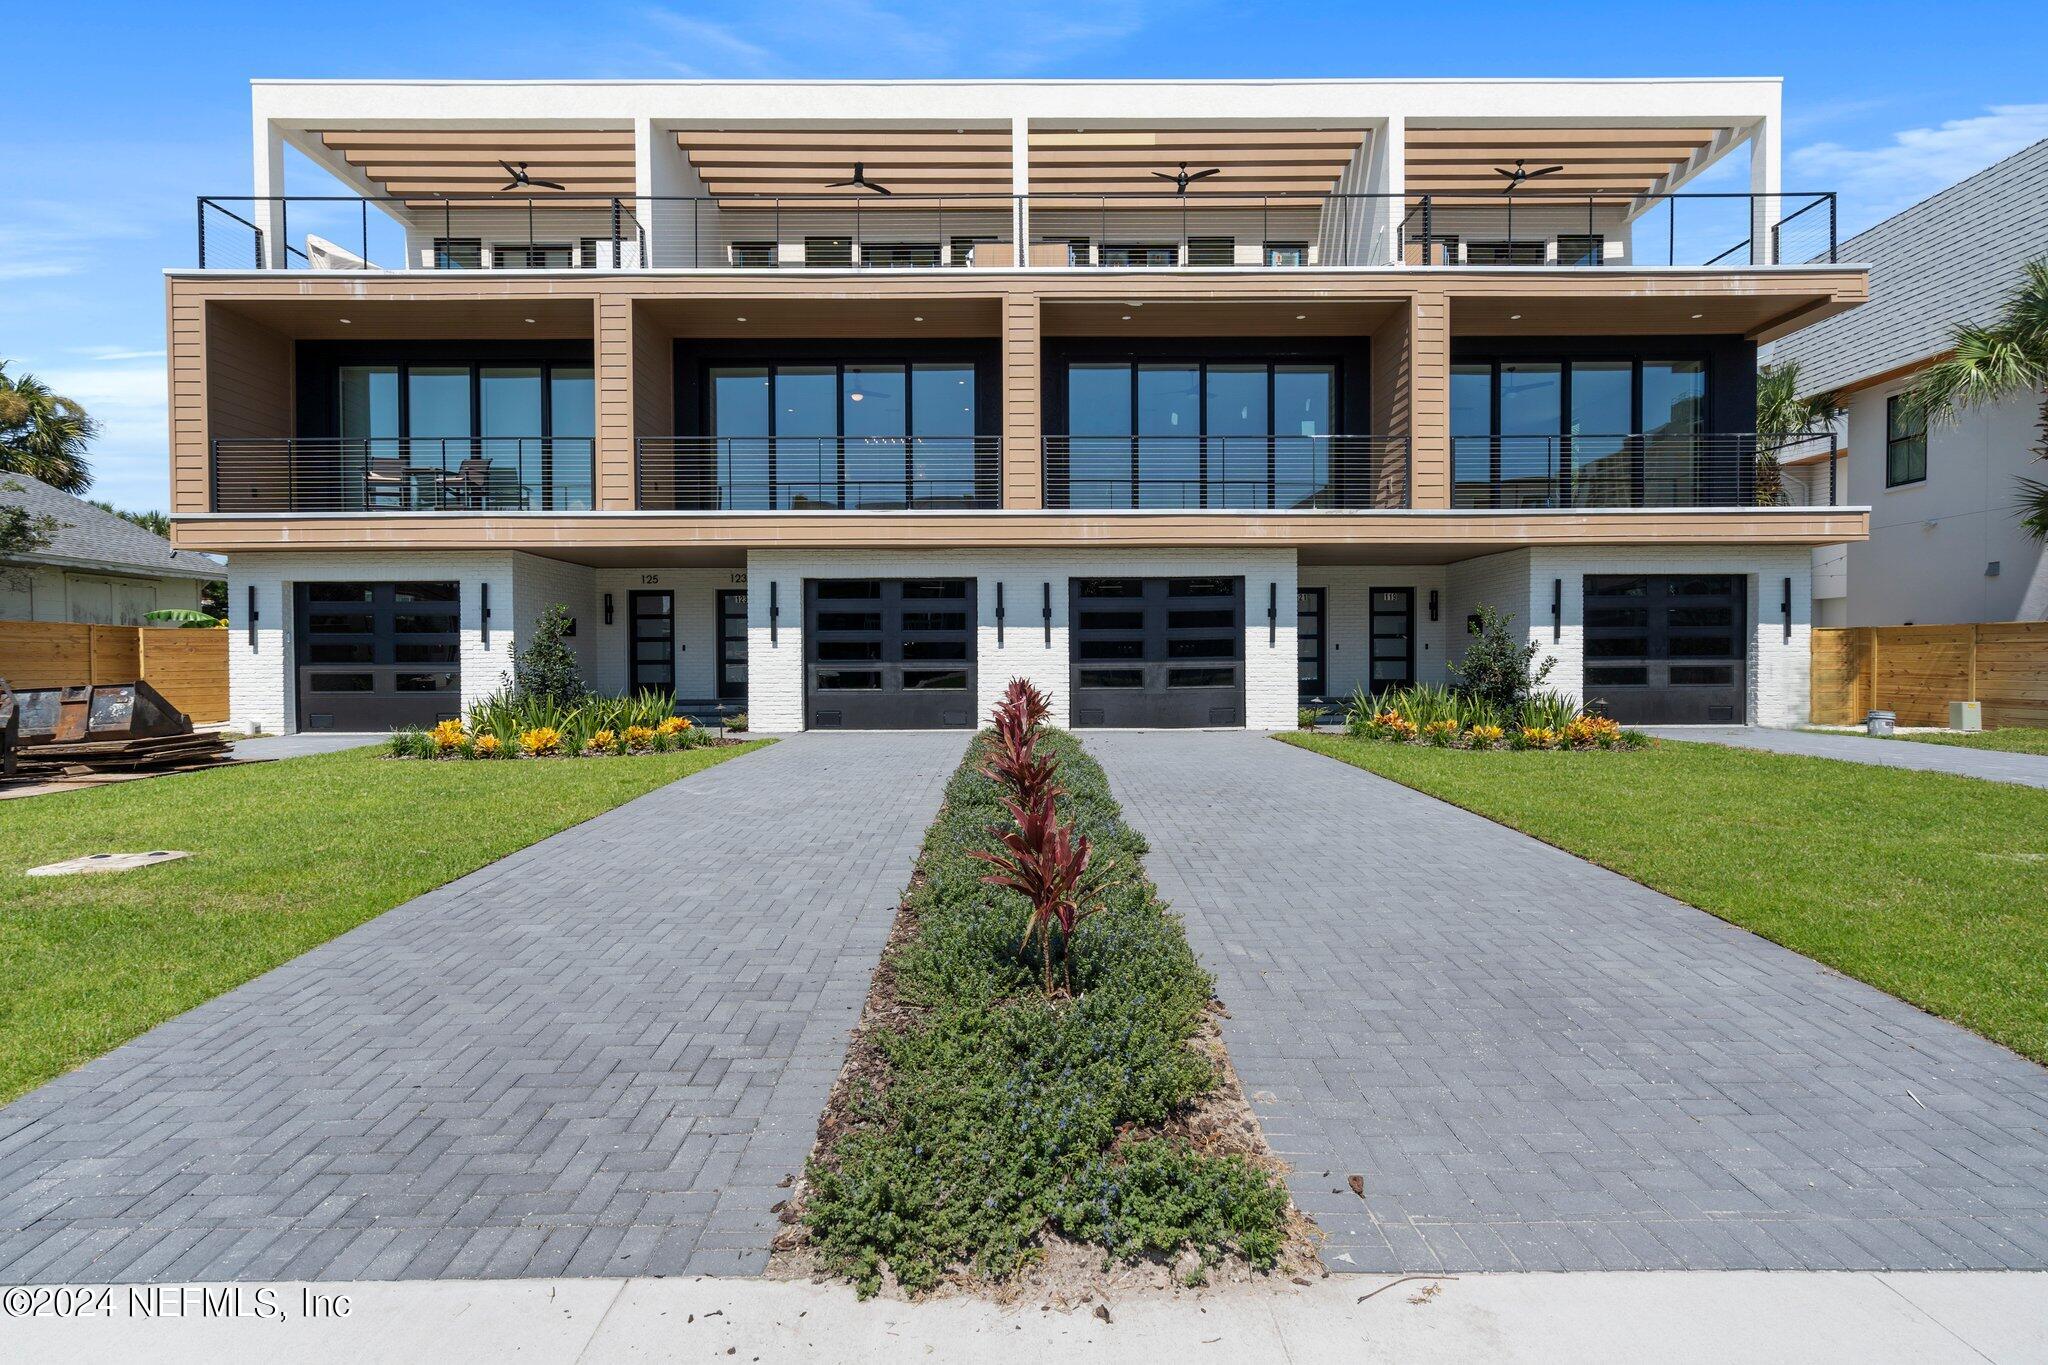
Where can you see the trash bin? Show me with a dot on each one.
(1880, 722)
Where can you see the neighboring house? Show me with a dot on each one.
(1945, 544)
(1185, 452)
(97, 568)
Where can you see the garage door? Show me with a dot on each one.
(376, 656)
(1166, 652)
(1667, 650)
(889, 653)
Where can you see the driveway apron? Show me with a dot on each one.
(600, 1056)
(1532, 1063)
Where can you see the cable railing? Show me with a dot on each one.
(1226, 473)
(819, 473)
(1136, 230)
(402, 474)
(1642, 469)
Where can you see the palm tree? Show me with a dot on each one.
(1991, 363)
(1781, 415)
(42, 434)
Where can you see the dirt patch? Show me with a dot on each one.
(1068, 1275)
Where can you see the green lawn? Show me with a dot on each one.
(1934, 888)
(288, 855)
(2011, 739)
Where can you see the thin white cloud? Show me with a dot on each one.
(1876, 182)
(109, 354)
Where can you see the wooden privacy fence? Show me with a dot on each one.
(1917, 671)
(190, 667)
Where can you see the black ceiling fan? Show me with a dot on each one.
(860, 181)
(520, 177)
(1521, 173)
(1180, 181)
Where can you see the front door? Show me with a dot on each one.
(1309, 605)
(732, 646)
(653, 641)
(1393, 638)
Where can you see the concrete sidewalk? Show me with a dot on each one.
(1868, 1318)
(1992, 765)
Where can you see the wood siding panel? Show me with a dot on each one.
(1392, 396)
(1023, 427)
(231, 376)
(1429, 402)
(615, 355)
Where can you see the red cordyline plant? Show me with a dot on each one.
(1030, 703)
(1014, 760)
(1045, 862)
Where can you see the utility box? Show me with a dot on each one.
(1966, 715)
(1880, 723)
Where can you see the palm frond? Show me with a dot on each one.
(1988, 364)
(2033, 507)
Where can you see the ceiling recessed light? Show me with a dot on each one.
(857, 397)
(1697, 316)
(1301, 317)
(344, 320)
(1127, 317)
(739, 319)
(529, 319)
(1514, 317)
(918, 318)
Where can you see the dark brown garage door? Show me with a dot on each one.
(1667, 649)
(1157, 652)
(889, 653)
(378, 656)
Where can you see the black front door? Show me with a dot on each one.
(889, 653)
(1667, 649)
(377, 656)
(732, 646)
(1311, 642)
(1157, 652)
(1393, 639)
(653, 641)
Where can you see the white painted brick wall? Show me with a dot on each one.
(262, 693)
(539, 583)
(696, 593)
(775, 669)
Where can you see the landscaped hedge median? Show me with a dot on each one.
(979, 1117)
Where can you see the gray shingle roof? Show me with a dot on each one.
(87, 537)
(1951, 258)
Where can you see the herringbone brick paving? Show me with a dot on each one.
(1536, 1064)
(596, 1057)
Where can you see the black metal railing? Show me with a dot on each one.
(1213, 229)
(819, 473)
(402, 474)
(1234, 473)
(1638, 469)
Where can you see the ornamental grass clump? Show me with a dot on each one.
(1015, 1103)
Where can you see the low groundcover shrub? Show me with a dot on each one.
(1444, 719)
(530, 725)
(1008, 1109)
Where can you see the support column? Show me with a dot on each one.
(1020, 186)
(267, 213)
(1765, 211)
(1429, 400)
(1023, 429)
(617, 420)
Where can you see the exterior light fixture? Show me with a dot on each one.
(1127, 317)
(918, 318)
(1786, 607)
(529, 320)
(1301, 317)
(1557, 608)
(484, 608)
(1514, 317)
(344, 321)
(1697, 316)
(607, 608)
(999, 613)
(252, 616)
(1432, 604)
(739, 319)
(774, 611)
(1046, 613)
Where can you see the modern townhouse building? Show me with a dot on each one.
(846, 402)
(1945, 544)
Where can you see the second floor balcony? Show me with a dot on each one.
(402, 474)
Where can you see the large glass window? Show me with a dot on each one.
(460, 436)
(1197, 434)
(1905, 443)
(870, 434)
(1603, 394)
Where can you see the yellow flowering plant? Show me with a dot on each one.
(1540, 737)
(1485, 736)
(1602, 732)
(541, 741)
(1440, 732)
(638, 736)
(448, 736)
(604, 741)
(674, 725)
(489, 746)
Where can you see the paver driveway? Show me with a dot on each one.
(1537, 1064)
(596, 1057)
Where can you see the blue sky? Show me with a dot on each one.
(118, 114)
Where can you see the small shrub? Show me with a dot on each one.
(1440, 733)
(673, 725)
(1592, 732)
(639, 737)
(490, 746)
(410, 743)
(1308, 717)
(737, 722)
(1497, 668)
(1538, 737)
(606, 742)
(1486, 736)
(543, 741)
(1549, 710)
(547, 668)
(449, 736)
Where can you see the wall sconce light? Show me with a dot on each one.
(774, 610)
(484, 602)
(252, 616)
(1557, 608)
(607, 608)
(999, 613)
(1432, 604)
(1045, 612)
(1786, 607)
(1272, 614)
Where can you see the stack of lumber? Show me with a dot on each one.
(152, 753)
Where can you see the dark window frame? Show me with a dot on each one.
(1896, 442)
(1321, 612)
(1373, 685)
(633, 640)
(727, 654)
